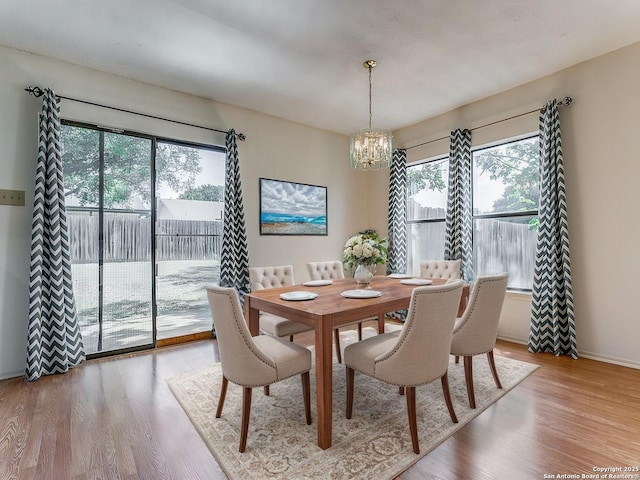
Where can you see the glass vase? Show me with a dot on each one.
(362, 274)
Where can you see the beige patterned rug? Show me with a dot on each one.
(374, 444)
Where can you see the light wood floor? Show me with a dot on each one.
(116, 418)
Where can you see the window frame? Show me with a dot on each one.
(522, 213)
(486, 216)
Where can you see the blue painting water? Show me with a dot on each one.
(283, 224)
(286, 218)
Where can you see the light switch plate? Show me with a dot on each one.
(12, 197)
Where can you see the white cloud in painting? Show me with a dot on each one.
(293, 198)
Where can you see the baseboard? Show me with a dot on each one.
(7, 376)
(590, 355)
(511, 339)
(607, 359)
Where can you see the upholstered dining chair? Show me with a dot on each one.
(447, 269)
(271, 277)
(415, 356)
(475, 331)
(332, 270)
(252, 361)
(329, 270)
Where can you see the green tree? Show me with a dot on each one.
(516, 166)
(207, 192)
(428, 176)
(127, 166)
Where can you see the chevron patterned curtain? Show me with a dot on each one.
(397, 220)
(552, 317)
(234, 265)
(458, 222)
(54, 339)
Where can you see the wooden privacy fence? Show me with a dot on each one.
(499, 246)
(127, 238)
(502, 246)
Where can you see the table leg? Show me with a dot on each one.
(381, 323)
(464, 299)
(324, 380)
(252, 317)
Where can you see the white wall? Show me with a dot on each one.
(602, 168)
(274, 148)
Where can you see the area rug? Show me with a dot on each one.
(374, 444)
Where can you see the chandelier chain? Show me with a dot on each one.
(370, 67)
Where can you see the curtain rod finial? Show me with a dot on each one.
(241, 137)
(566, 101)
(35, 91)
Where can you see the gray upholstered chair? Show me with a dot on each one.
(252, 361)
(332, 270)
(475, 331)
(271, 277)
(447, 269)
(415, 356)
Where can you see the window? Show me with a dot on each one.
(426, 210)
(505, 193)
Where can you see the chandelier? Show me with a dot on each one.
(370, 149)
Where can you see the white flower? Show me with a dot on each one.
(366, 248)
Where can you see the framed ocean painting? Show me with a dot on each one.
(288, 208)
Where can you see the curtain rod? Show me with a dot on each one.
(38, 92)
(566, 101)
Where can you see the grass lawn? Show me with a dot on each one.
(180, 297)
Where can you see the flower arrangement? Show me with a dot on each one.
(365, 248)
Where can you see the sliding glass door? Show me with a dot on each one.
(108, 190)
(145, 228)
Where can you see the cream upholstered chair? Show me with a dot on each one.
(417, 355)
(252, 361)
(329, 270)
(475, 331)
(447, 269)
(271, 277)
(332, 270)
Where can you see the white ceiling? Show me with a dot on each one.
(302, 59)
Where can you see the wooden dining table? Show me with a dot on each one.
(325, 312)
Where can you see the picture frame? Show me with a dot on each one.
(290, 208)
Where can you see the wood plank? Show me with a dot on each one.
(395, 296)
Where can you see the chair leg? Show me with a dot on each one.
(457, 358)
(468, 376)
(336, 337)
(400, 390)
(266, 390)
(291, 338)
(246, 412)
(223, 394)
(413, 421)
(360, 331)
(350, 381)
(306, 395)
(492, 365)
(447, 397)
